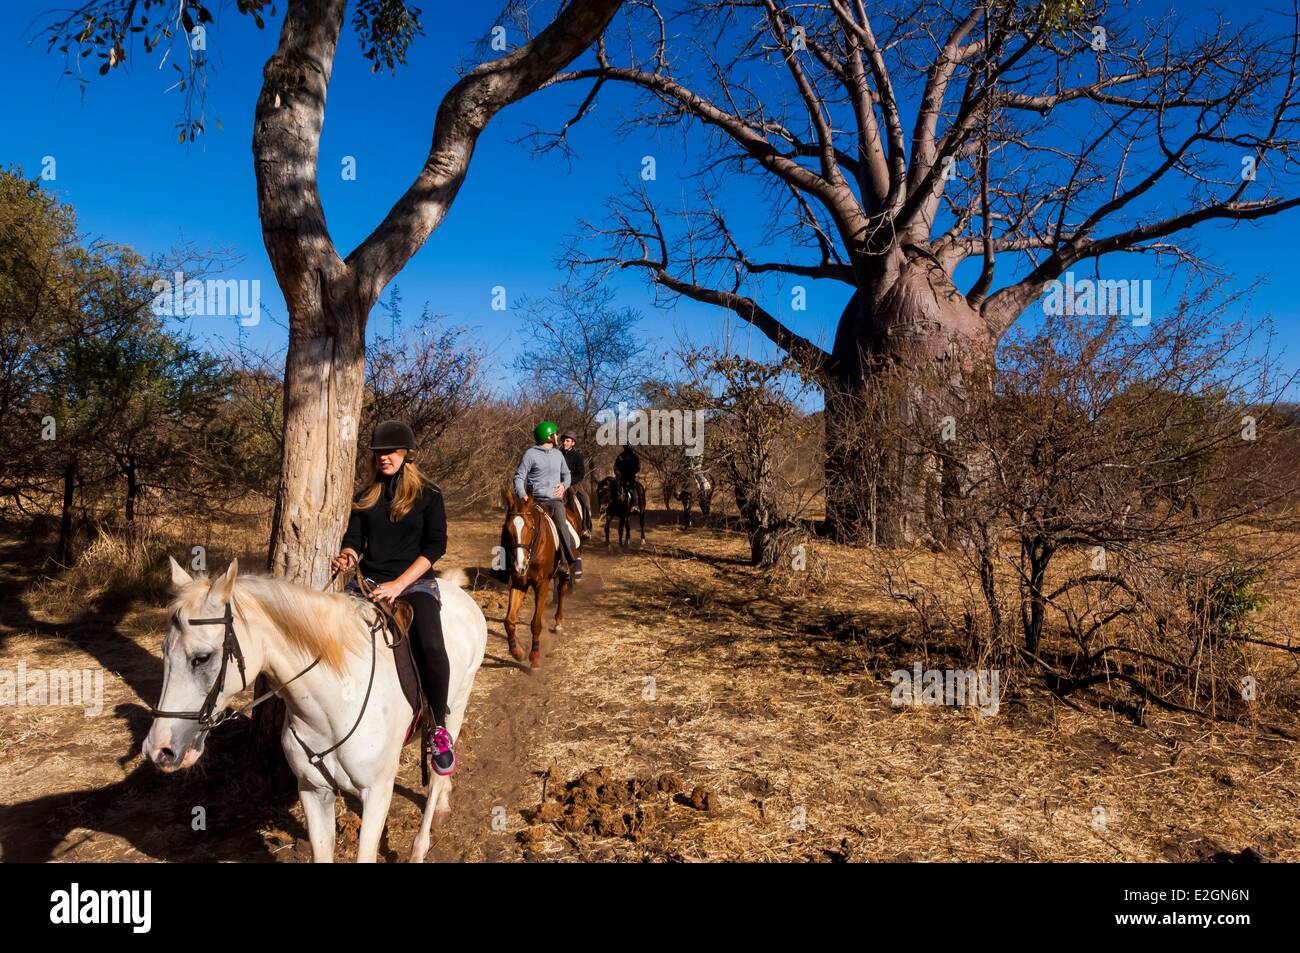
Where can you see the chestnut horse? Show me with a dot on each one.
(534, 561)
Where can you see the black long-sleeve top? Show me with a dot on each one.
(387, 549)
(577, 465)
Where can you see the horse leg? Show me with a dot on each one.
(437, 804)
(559, 607)
(640, 515)
(512, 614)
(375, 801)
(607, 530)
(318, 808)
(539, 606)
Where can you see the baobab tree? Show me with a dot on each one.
(904, 148)
(329, 296)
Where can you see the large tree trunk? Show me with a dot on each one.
(323, 390)
(900, 365)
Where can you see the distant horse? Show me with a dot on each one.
(535, 561)
(348, 717)
(613, 499)
(687, 488)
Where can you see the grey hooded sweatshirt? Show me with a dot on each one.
(540, 469)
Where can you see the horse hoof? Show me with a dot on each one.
(516, 653)
(557, 627)
(535, 659)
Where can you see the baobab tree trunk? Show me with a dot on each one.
(900, 365)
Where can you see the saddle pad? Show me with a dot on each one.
(555, 536)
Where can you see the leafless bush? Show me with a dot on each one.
(755, 425)
(1117, 503)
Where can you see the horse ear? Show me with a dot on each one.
(226, 583)
(180, 578)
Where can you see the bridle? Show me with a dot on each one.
(538, 515)
(229, 649)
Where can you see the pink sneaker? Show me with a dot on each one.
(444, 756)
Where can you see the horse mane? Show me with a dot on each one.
(321, 624)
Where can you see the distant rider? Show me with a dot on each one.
(626, 466)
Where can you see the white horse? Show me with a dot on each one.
(338, 680)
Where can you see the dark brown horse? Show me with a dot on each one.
(534, 562)
(613, 499)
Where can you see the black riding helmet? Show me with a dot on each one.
(392, 435)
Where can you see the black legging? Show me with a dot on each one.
(430, 652)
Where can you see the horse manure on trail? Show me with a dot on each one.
(599, 804)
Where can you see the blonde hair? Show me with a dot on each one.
(410, 484)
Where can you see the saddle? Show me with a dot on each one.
(573, 533)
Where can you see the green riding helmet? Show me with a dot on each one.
(545, 431)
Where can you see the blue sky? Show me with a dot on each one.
(119, 164)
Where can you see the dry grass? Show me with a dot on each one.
(782, 706)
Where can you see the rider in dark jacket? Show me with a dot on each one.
(397, 531)
(577, 473)
(626, 466)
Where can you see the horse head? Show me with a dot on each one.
(204, 665)
(607, 491)
(523, 523)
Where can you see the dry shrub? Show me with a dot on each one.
(117, 563)
(795, 566)
(682, 588)
(1114, 504)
